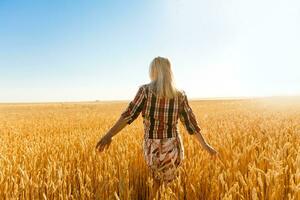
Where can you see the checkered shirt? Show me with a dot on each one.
(160, 114)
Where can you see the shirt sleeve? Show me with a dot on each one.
(187, 117)
(135, 106)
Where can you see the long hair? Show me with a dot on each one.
(162, 80)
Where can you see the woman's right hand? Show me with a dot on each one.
(211, 150)
(204, 144)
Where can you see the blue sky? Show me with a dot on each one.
(68, 50)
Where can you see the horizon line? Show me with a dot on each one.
(128, 100)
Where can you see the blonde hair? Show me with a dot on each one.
(161, 75)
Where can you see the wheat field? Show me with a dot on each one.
(47, 151)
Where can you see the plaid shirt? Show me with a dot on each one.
(160, 115)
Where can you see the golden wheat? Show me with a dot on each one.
(47, 151)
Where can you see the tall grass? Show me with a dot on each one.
(47, 151)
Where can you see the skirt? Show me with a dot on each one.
(163, 157)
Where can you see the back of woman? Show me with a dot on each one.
(160, 114)
(163, 147)
(161, 105)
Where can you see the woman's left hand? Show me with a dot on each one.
(103, 143)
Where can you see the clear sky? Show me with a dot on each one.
(71, 50)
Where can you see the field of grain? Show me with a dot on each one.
(47, 151)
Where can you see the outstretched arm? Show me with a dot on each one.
(188, 118)
(127, 117)
(204, 144)
(119, 125)
(107, 138)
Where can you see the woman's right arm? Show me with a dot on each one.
(188, 118)
(204, 144)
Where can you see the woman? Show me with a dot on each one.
(161, 105)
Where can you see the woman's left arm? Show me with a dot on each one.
(127, 117)
(119, 125)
